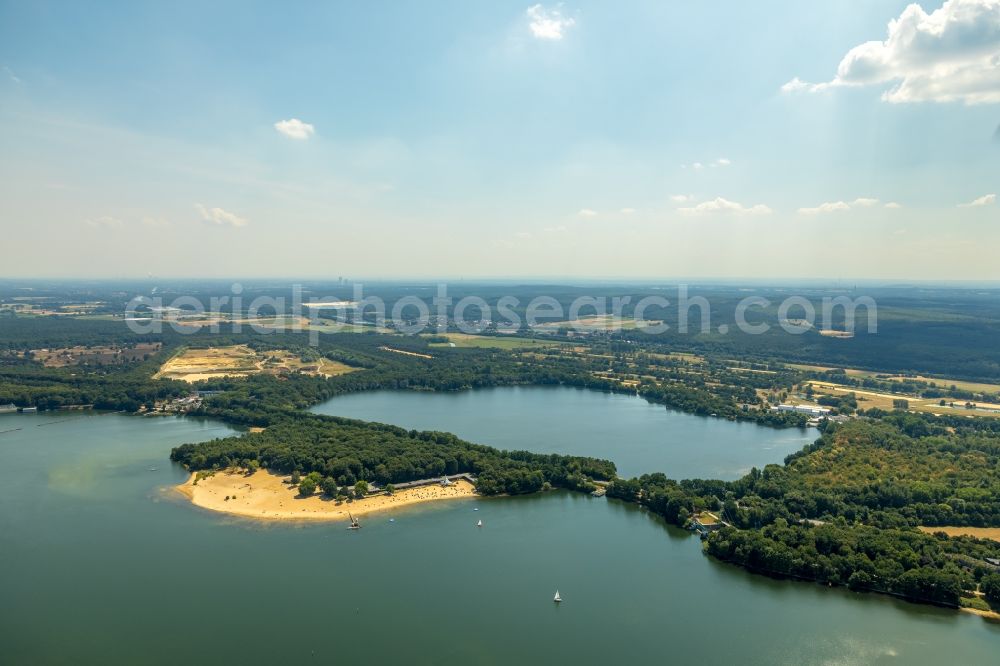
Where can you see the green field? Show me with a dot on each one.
(976, 387)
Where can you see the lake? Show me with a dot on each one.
(638, 436)
(101, 563)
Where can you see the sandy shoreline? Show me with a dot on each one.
(266, 496)
(988, 615)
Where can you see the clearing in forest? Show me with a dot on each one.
(192, 365)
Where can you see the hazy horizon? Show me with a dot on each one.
(821, 283)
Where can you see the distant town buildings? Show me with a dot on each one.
(182, 405)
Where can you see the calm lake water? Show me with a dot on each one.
(101, 564)
(638, 436)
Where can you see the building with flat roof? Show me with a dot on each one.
(809, 410)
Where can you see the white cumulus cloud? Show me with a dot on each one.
(587, 212)
(796, 85)
(951, 54)
(826, 207)
(892, 205)
(698, 166)
(548, 23)
(724, 206)
(220, 217)
(627, 211)
(680, 198)
(987, 200)
(105, 222)
(840, 206)
(294, 128)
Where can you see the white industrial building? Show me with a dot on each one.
(808, 410)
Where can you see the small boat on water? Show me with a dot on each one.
(479, 524)
(557, 598)
(355, 525)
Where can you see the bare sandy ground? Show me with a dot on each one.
(978, 532)
(266, 496)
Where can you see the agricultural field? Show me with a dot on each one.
(976, 532)
(605, 322)
(886, 401)
(193, 365)
(491, 342)
(975, 387)
(224, 321)
(43, 307)
(218, 319)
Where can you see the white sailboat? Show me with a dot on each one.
(557, 598)
(479, 524)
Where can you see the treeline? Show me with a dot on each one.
(119, 388)
(348, 451)
(903, 471)
(20, 334)
(916, 566)
(705, 403)
(706, 387)
(916, 343)
(449, 369)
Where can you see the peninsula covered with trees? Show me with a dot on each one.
(343, 452)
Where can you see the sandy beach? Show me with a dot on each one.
(266, 496)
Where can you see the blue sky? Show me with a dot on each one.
(502, 139)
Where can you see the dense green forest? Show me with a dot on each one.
(843, 509)
(27, 383)
(921, 567)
